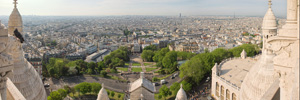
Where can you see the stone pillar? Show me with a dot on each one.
(292, 11)
(298, 19)
(3, 88)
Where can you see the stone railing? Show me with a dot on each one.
(228, 83)
(234, 58)
(226, 60)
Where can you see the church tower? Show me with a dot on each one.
(24, 76)
(261, 79)
(15, 20)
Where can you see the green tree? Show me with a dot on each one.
(147, 55)
(51, 72)
(194, 69)
(96, 87)
(164, 91)
(67, 88)
(175, 87)
(112, 93)
(83, 87)
(62, 92)
(154, 79)
(90, 71)
(170, 62)
(101, 65)
(186, 86)
(151, 47)
(251, 50)
(119, 95)
(92, 65)
(54, 95)
(103, 73)
(220, 54)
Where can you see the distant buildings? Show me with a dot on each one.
(98, 56)
(35, 61)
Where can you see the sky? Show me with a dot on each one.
(143, 7)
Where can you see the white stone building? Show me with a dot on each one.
(19, 79)
(273, 75)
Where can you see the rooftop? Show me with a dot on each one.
(235, 70)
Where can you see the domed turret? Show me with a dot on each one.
(15, 20)
(102, 95)
(2, 26)
(243, 54)
(261, 76)
(269, 21)
(181, 95)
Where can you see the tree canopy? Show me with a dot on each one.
(198, 66)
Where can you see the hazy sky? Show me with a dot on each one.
(143, 7)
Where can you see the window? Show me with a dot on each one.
(217, 89)
(233, 96)
(227, 94)
(222, 93)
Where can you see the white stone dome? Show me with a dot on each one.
(269, 21)
(102, 95)
(181, 95)
(2, 26)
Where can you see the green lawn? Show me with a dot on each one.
(136, 64)
(147, 64)
(150, 69)
(126, 64)
(115, 97)
(160, 78)
(123, 69)
(170, 97)
(136, 69)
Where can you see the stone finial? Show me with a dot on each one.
(244, 54)
(142, 97)
(270, 3)
(15, 3)
(102, 85)
(181, 85)
(142, 75)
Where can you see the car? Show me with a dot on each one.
(172, 77)
(46, 85)
(163, 82)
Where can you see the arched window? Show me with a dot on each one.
(222, 93)
(227, 94)
(233, 96)
(217, 89)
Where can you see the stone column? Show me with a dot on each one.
(292, 11)
(3, 88)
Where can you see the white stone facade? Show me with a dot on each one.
(276, 74)
(23, 82)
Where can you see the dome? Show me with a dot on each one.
(15, 18)
(269, 21)
(259, 79)
(102, 95)
(2, 26)
(181, 95)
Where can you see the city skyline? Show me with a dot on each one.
(145, 7)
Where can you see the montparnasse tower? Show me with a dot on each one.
(15, 20)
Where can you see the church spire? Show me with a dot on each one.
(15, 3)
(270, 3)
